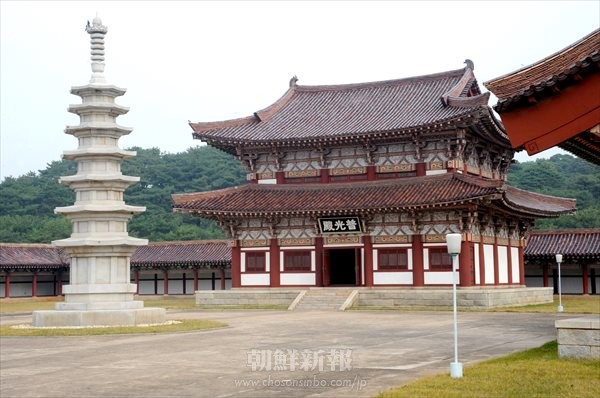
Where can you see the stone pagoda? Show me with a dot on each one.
(100, 248)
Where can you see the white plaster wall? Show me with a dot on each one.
(439, 278)
(514, 259)
(488, 257)
(435, 172)
(255, 279)
(502, 264)
(268, 181)
(304, 278)
(476, 264)
(392, 278)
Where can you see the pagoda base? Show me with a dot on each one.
(99, 318)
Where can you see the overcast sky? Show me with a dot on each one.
(207, 61)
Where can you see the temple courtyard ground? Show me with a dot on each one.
(334, 354)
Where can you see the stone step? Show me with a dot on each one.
(323, 299)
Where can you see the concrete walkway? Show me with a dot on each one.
(345, 354)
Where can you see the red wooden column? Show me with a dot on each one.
(496, 265)
(368, 246)
(183, 284)
(319, 259)
(465, 270)
(325, 175)
(136, 280)
(418, 265)
(222, 279)
(585, 278)
(236, 280)
(420, 169)
(195, 280)
(165, 282)
(545, 274)
(274, 263)
(481, 262)
(34, 284)
(509, 265)
(7, 285)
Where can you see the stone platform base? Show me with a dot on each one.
(471, 297)
(579, 337)
(116, 317)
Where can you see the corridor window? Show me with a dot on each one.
(255, 262)
(439, 260)
(296, 261)
(392, 260)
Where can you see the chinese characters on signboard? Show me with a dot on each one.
(339, 225)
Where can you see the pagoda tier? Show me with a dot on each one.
(555, 101)
(100, 248)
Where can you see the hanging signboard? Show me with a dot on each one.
(339, 225)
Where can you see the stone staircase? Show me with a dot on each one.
(324, 299)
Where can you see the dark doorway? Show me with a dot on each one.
(343, 266)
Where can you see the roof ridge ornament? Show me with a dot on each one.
(470, 64)
(293, 81)
(97, 32)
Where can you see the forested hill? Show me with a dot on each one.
(27, 203)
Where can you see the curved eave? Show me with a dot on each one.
(561, 206)
(229, 145)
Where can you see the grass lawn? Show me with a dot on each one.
(532, 373)
(179, 326)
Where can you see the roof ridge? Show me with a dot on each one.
(378, 83)
(32, 245)
(567, 231)
(187, 242)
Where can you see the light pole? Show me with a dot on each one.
(454, 241)
(560, 308)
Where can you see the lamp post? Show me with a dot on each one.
(454, 241)
(560, 308)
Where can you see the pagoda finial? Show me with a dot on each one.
(97, 32)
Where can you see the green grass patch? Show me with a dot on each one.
(187, 325)
(538, 372)
(17, 305)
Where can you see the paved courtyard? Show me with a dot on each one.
(348, 354)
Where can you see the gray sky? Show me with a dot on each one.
(207, 61)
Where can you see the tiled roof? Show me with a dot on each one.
(573, 244)
(366, 196)
(554, 71)
(319, 113)
(208, 253)
(33, 255)
(204, 253)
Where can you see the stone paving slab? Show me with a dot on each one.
(385, 348)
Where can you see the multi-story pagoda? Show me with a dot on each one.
(100, 248)
(358, 184)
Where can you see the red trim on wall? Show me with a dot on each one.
(371, 173)
(59, 283)
(196, 280)
(481, 263)
(418, 267)
(236, 259)
(496, 265)
(545, 275)
(521, 266)
(509, 259)
(368, 246)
